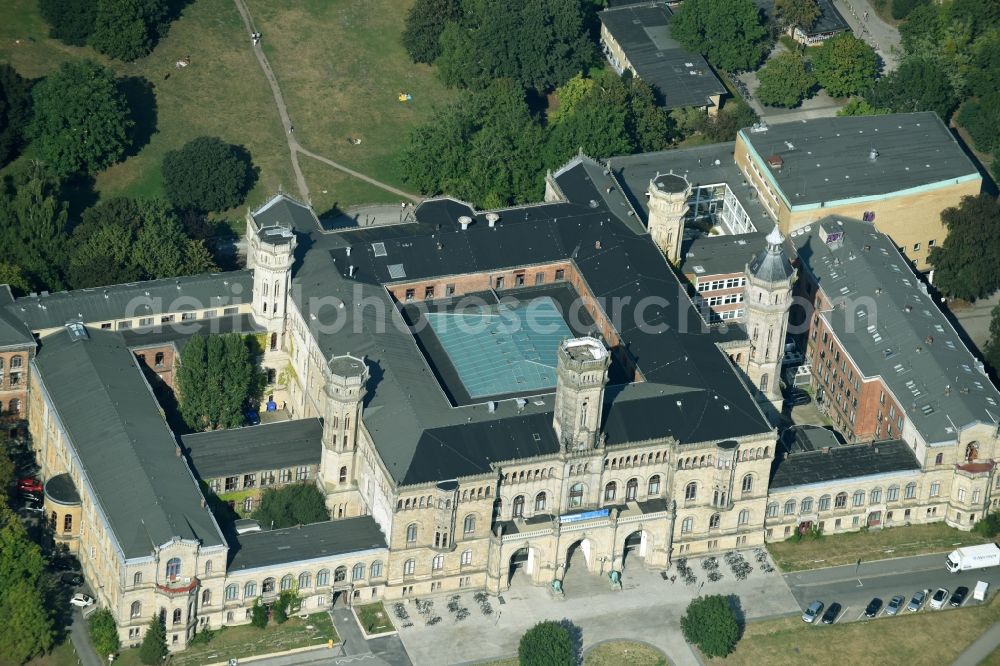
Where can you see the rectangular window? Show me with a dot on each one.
(961, 494)
(449, 290)
(560, 273)
(539, 278)
(187, 316)
(519, 280)
(123, 325)
(498, 283)
(230, 311)
(208, 314)
(106, 325)
(975, 496)
(146, 321)
(231, 482)
(410, 293)
(428, 293)
(249, 480)
(166, 319)
(285, 475)
(302, 473)
(935, 489)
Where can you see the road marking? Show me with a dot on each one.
(860, 584)
(861, 615)
(842, 615)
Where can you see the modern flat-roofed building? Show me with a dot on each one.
(636, 38)
(897, 171)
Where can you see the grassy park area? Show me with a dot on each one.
(834, 549)
(928, 637)
(613, 653)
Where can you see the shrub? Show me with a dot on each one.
(258, 614)
(207, 175)
(546, 644)
(711, 624)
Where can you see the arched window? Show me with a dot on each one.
(173, 568)
(408, 567)
(206, 598)
(466, 558)
(763, 383)
(610, 490)
(654, 485)
(744, 517)
(517, 510)
(686, 525)
(631, 490)
(375, 570)
(790, 507)
(323, 578)
(339, 574)
(859, 497)
(892, 495)
(691, 492)
(437, 563)
(286, 582)
(747, 485)
(540, 502)
(576, 495)
(938, 459)
(177, 616)
(250, 589)
(875, 496)
(358, 572)
(15, 362)
(232, 591)
(343, 474)
(267, 587)
(305, 580)
(824, 503)
(411, 533)
(911, 491)
(137, 578)
(713, 522)
(135, 610)
(841, 501)
(469, 526)
(971, 452)
(806, 505)
(208, 568)
(772, 509)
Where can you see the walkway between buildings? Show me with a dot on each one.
(293, 145)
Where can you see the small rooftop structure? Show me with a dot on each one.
(827, 465)
(305, 542)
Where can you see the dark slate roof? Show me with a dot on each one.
(800, 438)
(255, 448)
(284, 211)
(127, 453)
(180, 332)
(134, 299)
(643, 31)
(13, 332)
(771, 264)
(60, 488)
(830, 19)
(305, 542)
(408, 415)
(829, 160)
(845, 462)
(714, 255)
(905, 339)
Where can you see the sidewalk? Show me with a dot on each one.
(81, 641)
(982, 648)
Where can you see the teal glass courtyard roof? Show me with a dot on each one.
(503, 349)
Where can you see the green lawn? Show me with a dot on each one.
(341, 66)
(332, 191)
(374, 618)
(927, 637)
(222, 93)
(614, 653)
(846, 548)
(62, 655)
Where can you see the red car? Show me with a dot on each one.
(29, 485)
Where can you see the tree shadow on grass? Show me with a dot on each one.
(252, 170)
(79, 194)
(141, 97)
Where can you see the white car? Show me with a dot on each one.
(939, 599)
(82, 600)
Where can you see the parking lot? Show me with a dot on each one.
(853, 586)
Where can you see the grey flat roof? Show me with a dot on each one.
(830, 20)
(134, 299)
(802, 438)
(714, 255)
(828, 160)
(701, 165)
(843, 463)
(681, 77)
(305, 542)
(255, 448)
(905, 338)
(125, 447)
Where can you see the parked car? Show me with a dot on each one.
(831, 614)
(82, 600)
(71, 579)
(958, 598)
(940, 596)
(815, 608)
(917, 601)
(895, 604)
(29, 485)
(64, 563)
(873, 607)
(253, 418)
(31, 497)
(33, 506)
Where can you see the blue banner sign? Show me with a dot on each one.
(586, 515)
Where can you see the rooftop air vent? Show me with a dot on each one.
(775, 161)
(465, 221)
(872, 155)
(492, 219)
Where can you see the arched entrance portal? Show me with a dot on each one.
(523, 560)
(635, 546)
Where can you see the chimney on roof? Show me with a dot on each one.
(350, 271)
(872, 154)
(775, 162)
(348, 250)
(465, 221)
(597, 245)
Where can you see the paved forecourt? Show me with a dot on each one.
(647, 608)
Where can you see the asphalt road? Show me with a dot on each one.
(853, 587)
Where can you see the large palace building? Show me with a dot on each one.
(484, 393)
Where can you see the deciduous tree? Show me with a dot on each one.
(785, 80)
(423, 27)
(991, 352)
(15, 112)
(27, 624)
(981, 117)
(217, 379)
(730, 33)
(965, 264)
(33, 227)
(711, 624)
(258, 614)
(208, 175)
(859, 106)
(127, 29)
(103, 632)
(801, 13)
(295, 504)
(70, 21)
(920, 84)
(546, 644)
(81, 120)
(845, 65)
